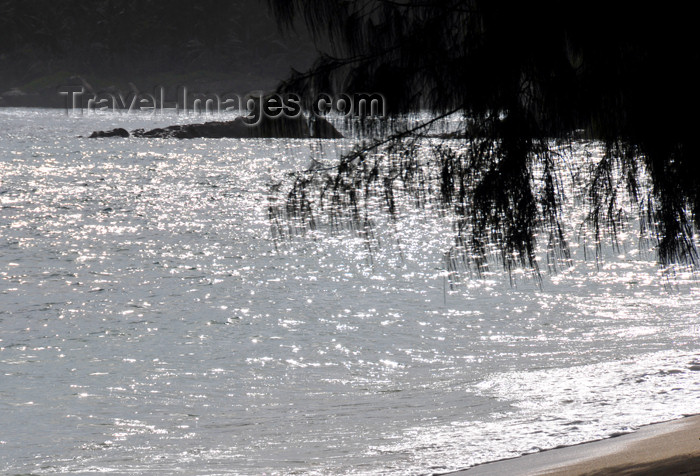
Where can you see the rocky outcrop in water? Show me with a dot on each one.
(119, 132)
(239, 128)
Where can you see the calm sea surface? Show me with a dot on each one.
(149, 324)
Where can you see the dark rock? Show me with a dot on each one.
(239, 128)
(119, 132)
(215, 130)
(322, 129)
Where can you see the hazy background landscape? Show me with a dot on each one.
(209, 46)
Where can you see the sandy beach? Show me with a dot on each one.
(668, 448)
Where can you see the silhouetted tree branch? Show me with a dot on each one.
(523, 74)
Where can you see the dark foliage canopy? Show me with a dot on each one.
(524, 73)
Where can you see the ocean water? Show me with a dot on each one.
(150, 323)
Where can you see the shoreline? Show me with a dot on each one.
(668, 448)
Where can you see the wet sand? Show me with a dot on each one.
(669, 448)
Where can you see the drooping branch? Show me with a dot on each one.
(523, 75)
